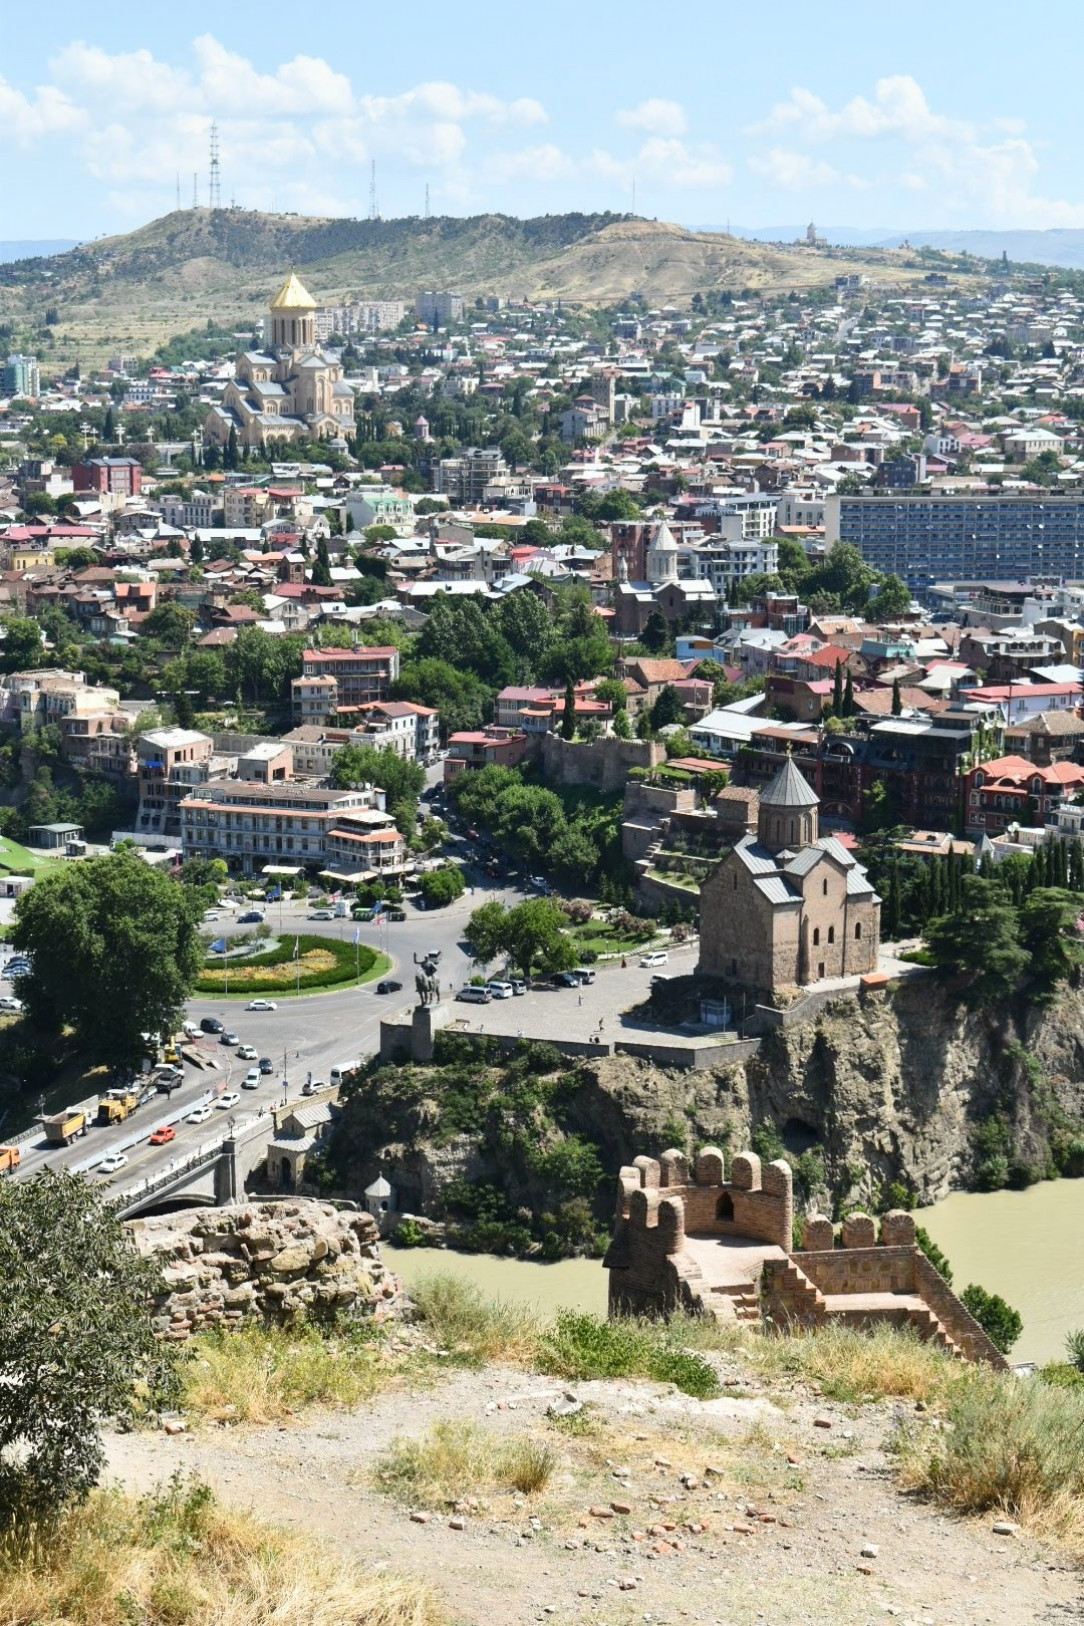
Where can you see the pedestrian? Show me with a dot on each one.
(600, 1024)
(579, 999)
(624, 962)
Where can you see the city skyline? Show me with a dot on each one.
(108, 119)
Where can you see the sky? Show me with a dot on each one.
(921, 115)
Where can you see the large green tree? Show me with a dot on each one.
(980, 943)
(115, 952)
(461, 698)
(1051, 938)
(77, 1346)
(531, 934)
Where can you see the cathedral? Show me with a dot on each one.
(289, 390)
(788, 907)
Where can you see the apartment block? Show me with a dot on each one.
(930, 539)
(252, 825)
(334, 681)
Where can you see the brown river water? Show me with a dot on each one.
(1026, 1245)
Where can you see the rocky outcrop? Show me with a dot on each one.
(892, 1087)
(281, 1261)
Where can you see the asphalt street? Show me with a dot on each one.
(306, 1036)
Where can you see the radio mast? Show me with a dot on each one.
(214, 180)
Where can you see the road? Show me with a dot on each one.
(304, 1036)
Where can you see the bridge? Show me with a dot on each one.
(213, 1174)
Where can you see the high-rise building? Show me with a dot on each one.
(928, 539)
(20, 377)
(438, 309)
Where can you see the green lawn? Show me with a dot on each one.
(326, 963)
(603, 939)
(14, 857)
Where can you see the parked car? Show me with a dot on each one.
(246, 1052)
(518, 985)
(190, 1029)
(474, 994)
(225, 1102)
(394, 914)
(110, 1164)
(261, 1005)
(200, 1116)
(148, 1095)
(10, 1003)
(251, 917)
(226, 1037)
(163, 1135)
(501, 990)
(266, 1065)
(211, 1024)
(321, 914)
(389, 986)
(210, 916)
(657, 957)
(538, 883)
(311, 1085)
(251, 1080)
(584, 973)
(565, 979)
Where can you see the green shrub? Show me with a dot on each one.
(1061, 1375)
(409, 1234)
(580, 1347)
(933, 1253)
(998, 1320)
(993, 1145)
(279, 968)
(767, 1142)
(538, 1057)
(1074, 1348)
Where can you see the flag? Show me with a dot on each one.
(297, 948)
(357, 935)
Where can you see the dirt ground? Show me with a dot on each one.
(779, 1507)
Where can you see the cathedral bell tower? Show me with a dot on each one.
(788, 812)
(293, 317)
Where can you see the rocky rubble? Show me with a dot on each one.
(280, 1260)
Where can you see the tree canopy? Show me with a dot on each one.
(77, 1343)
(114, 952)
(531, 934)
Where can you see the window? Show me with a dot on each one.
(820, 969)
(831, 934)
(858, 931)
(816, 936)
(735, 880)
(824, 886)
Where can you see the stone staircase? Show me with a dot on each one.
(794, 1297)
(898, 1309)
(735, 1301)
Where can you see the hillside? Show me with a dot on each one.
(173, 274)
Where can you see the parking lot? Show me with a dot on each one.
(548, 1012)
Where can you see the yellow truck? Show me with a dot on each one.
(10, 1157)
(115, 1107)
(63, 1127)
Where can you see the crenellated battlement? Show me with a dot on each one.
(723, 1246)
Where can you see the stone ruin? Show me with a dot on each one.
(715, 1246)
(278, 1261)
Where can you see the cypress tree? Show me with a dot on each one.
(897, 701)
(568, 719)
(848, 696)
(837, 691)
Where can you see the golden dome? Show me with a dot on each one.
(293, 296)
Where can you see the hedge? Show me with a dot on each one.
(275, 971)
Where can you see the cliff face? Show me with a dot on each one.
(892, 1088)
(905, 1088)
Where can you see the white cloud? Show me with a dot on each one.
(983, 173)
(655, 117)
(798, 172)
(27, 120)
(545, 162)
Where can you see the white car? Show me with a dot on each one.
(501, 990)
(200, 1116)
(225, 1102)
(247, 1053)
(110, 1164)
(659, 957)
(251, 1080)
(10, 1003)
(212, 915)
(261, 1005)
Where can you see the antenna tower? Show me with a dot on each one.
(178, 189)
(195, 190)
(427, 200)
(634, 194)
(373, 215)
(214, 180)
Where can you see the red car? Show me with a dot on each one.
(164, 1135)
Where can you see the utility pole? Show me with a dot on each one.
(373, 215)
(195, 190)
(427, 200)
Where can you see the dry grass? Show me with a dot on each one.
(262, 1374)
(474, 1328)
(851, 1366)
(179, 1559)
(457, 1460)
(1013, 1446)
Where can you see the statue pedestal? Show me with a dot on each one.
(424, 1024)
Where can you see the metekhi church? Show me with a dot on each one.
(289, 390)
(788, 907)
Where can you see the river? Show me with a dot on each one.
(566, 1284)
(1025, 1245)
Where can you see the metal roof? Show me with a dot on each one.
(789, 789)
